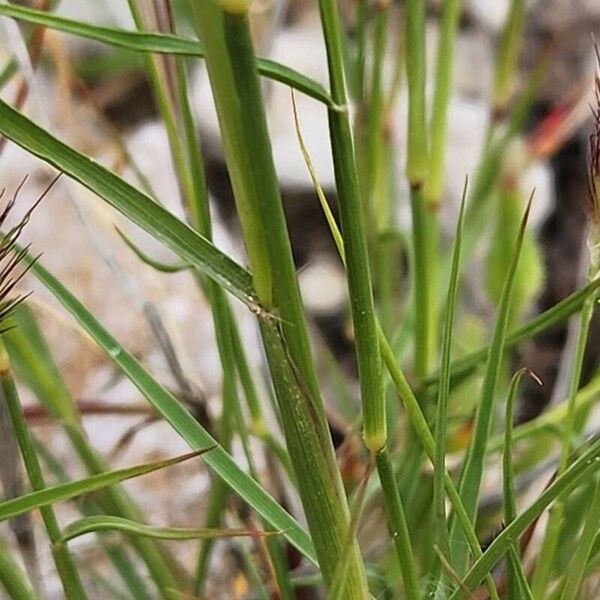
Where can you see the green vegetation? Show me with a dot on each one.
(435, 417)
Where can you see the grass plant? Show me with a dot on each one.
(417, 453)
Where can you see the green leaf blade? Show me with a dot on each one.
(160, 43)
(473, 466)
(66, 491)
(218, 459)
(130, 202)
(98, 523)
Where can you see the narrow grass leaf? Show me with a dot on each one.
(331, 222)
(130, 202)
(72, 489)
(521, 588)
(472, 472)
(510, 504)
(551, 421)
(439, 464)
(148, 260)
(181, 420)
(160, 43)
(97, 523)
(35, 365)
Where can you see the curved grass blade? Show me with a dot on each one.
(580, 470)
(333, 228)
(155, 264)
(552, 420)
(133, 204)
(109, 523)
(181, 420)
(472, 472)
(72, 489)
(161, 43)
(117, 554)
(510, 504)
(516, 580)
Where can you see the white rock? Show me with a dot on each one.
(490, 13)
(323, 287)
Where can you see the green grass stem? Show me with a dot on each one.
(508, 56)
(441, 100)
(34, 363)
(234, 79)
(355, 238)
(12, 577)
(64, 562)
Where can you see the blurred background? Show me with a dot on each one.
(98, 99)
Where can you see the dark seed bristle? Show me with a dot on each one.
(12, 255)
(594, 166)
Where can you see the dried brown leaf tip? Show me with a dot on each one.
(12, 255)
(594, 167)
